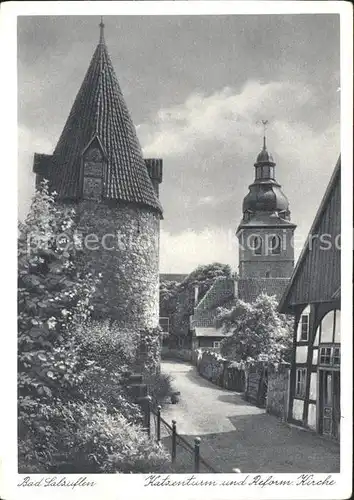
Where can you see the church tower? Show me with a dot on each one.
(265, 234)
(98, 168)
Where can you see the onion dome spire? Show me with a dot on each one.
(264, 157)
(265, 195)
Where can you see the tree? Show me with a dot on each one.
(257, 332)
(168, 297)
(74, 414)
(52, 295)
(178, 298)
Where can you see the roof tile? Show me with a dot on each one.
(99, 110)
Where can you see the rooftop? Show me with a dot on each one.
(100, 114)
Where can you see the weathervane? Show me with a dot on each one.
(264, 123)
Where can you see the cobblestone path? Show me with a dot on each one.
(235, 433)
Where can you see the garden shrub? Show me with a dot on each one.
(160, 387)
(85, 438)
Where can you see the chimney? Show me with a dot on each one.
(154, 167)
(196, 293)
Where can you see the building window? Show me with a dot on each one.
(216, 344)
(256, 245)
(300, 382)
(330, 328)
(336, 356)
(325, 357)
(304, 325)
(267, 274)
(275, 245)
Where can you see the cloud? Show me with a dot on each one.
(221, 116)
(28, 143)
(209, 144)
(183, 252)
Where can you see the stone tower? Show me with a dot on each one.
(265, 234)
(98, 167)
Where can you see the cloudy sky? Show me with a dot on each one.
(196, 87)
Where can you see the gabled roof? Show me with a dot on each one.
(221, 290)
(99, 111)
(316, 276)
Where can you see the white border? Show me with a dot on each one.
(130, 486)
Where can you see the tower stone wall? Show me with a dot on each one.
(121, 241)
(266, 264)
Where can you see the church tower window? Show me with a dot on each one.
(256, 245)
(275, 245)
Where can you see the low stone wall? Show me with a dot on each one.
(220, 371)
(256, 386)
(265, 385)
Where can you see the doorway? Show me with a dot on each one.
(329, 403)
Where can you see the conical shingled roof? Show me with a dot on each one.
(100, 111)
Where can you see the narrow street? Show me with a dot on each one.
(235, 433)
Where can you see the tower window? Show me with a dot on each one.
(93, 174)
(275, 245)
(256, 245)
(266, 172)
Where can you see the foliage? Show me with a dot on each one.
(73, 408)
(177, 299)
(204, 276)
(52, 295)
(149, 351)
(168, 297)
(257, 332)
(108, 344)
(160, 387)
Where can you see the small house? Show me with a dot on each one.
(313, 297)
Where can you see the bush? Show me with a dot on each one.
(109, 345)
(85, 438)
(160, 387)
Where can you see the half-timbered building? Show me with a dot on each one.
(313, 297)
